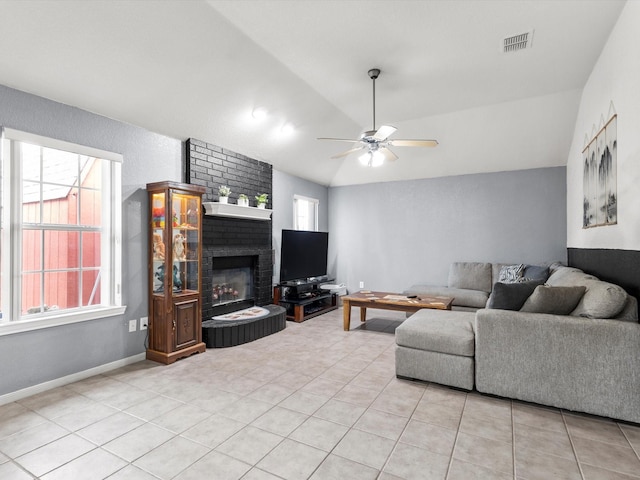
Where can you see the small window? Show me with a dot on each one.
(305, 213)
(60, 243)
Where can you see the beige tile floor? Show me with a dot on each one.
(310, 402)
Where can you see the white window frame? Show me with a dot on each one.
(11, 213)
(313, 201)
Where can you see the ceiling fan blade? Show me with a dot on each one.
(413, 143)
(389, 156)
(340, 140)
(344, 154)
(384, 132)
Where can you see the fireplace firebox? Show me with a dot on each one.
(232, 284)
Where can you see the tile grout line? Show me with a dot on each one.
(637, 452)
(599, 441)
(455, 441)
(573, 447)
(513, 441)
(352, 426)
(395, 445)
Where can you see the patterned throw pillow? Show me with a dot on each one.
(511, 273)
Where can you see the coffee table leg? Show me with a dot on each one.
(346, 314)
(363, 314)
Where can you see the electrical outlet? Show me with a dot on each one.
(132, 325)
(144, 322)
(361, 284)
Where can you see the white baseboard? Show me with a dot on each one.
(74, 377)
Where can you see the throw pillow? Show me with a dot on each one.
(470, 276)
(510, 273)
(554, 300)
(511, 296)
(535, 272)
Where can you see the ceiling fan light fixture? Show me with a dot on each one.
(371, 158)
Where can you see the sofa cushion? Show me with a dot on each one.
(441, 331)
(536, 272)
(601, 300)
(553, 300)
(511, 296)
(470, 276)
(511, 273)
(461, 297)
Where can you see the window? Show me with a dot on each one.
(305, 213)
(60, 243)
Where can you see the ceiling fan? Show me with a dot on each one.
(375, 143)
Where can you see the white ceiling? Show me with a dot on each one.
(196, 68)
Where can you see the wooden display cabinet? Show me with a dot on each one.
(175, 278)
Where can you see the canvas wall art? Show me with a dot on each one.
(599, 160)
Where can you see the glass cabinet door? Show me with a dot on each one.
(159, 233)
(185, 226)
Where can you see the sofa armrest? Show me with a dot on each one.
(590, 365)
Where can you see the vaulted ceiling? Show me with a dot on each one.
(199, 68)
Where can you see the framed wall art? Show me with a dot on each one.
(599, 160)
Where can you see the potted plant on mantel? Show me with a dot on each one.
(224, 193)
(262, 200)
(243, 200)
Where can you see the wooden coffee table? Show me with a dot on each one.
(389, 301)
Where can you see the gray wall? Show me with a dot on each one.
(31, 358)
(285, 186)
(389, 235)
(393, 235)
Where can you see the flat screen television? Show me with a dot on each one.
(303, 255)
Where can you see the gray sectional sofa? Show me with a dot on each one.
(583, 357)
(471, 283)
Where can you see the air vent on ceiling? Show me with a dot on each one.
(517, 42)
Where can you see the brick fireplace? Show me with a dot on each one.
(232, 241)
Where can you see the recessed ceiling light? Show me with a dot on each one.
(287, 129)
(259, 113)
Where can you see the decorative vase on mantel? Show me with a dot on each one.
(243, 201)
(262, 199)
(224, 193)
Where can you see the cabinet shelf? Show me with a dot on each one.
(217, 209)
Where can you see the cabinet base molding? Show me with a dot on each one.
(168, 358)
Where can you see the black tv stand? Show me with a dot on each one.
(304, 299)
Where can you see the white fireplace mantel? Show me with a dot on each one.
(218, 209)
